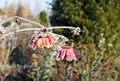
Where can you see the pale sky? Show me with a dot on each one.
(38, 5)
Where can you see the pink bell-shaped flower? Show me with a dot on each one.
(66, 52)
(41, 40)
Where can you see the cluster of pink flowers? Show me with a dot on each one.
(66, 52)
(41, 40)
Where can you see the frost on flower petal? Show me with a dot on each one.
(66, 52)
(41, 40)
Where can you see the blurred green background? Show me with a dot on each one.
(98, 45)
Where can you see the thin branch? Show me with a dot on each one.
(22, 19)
